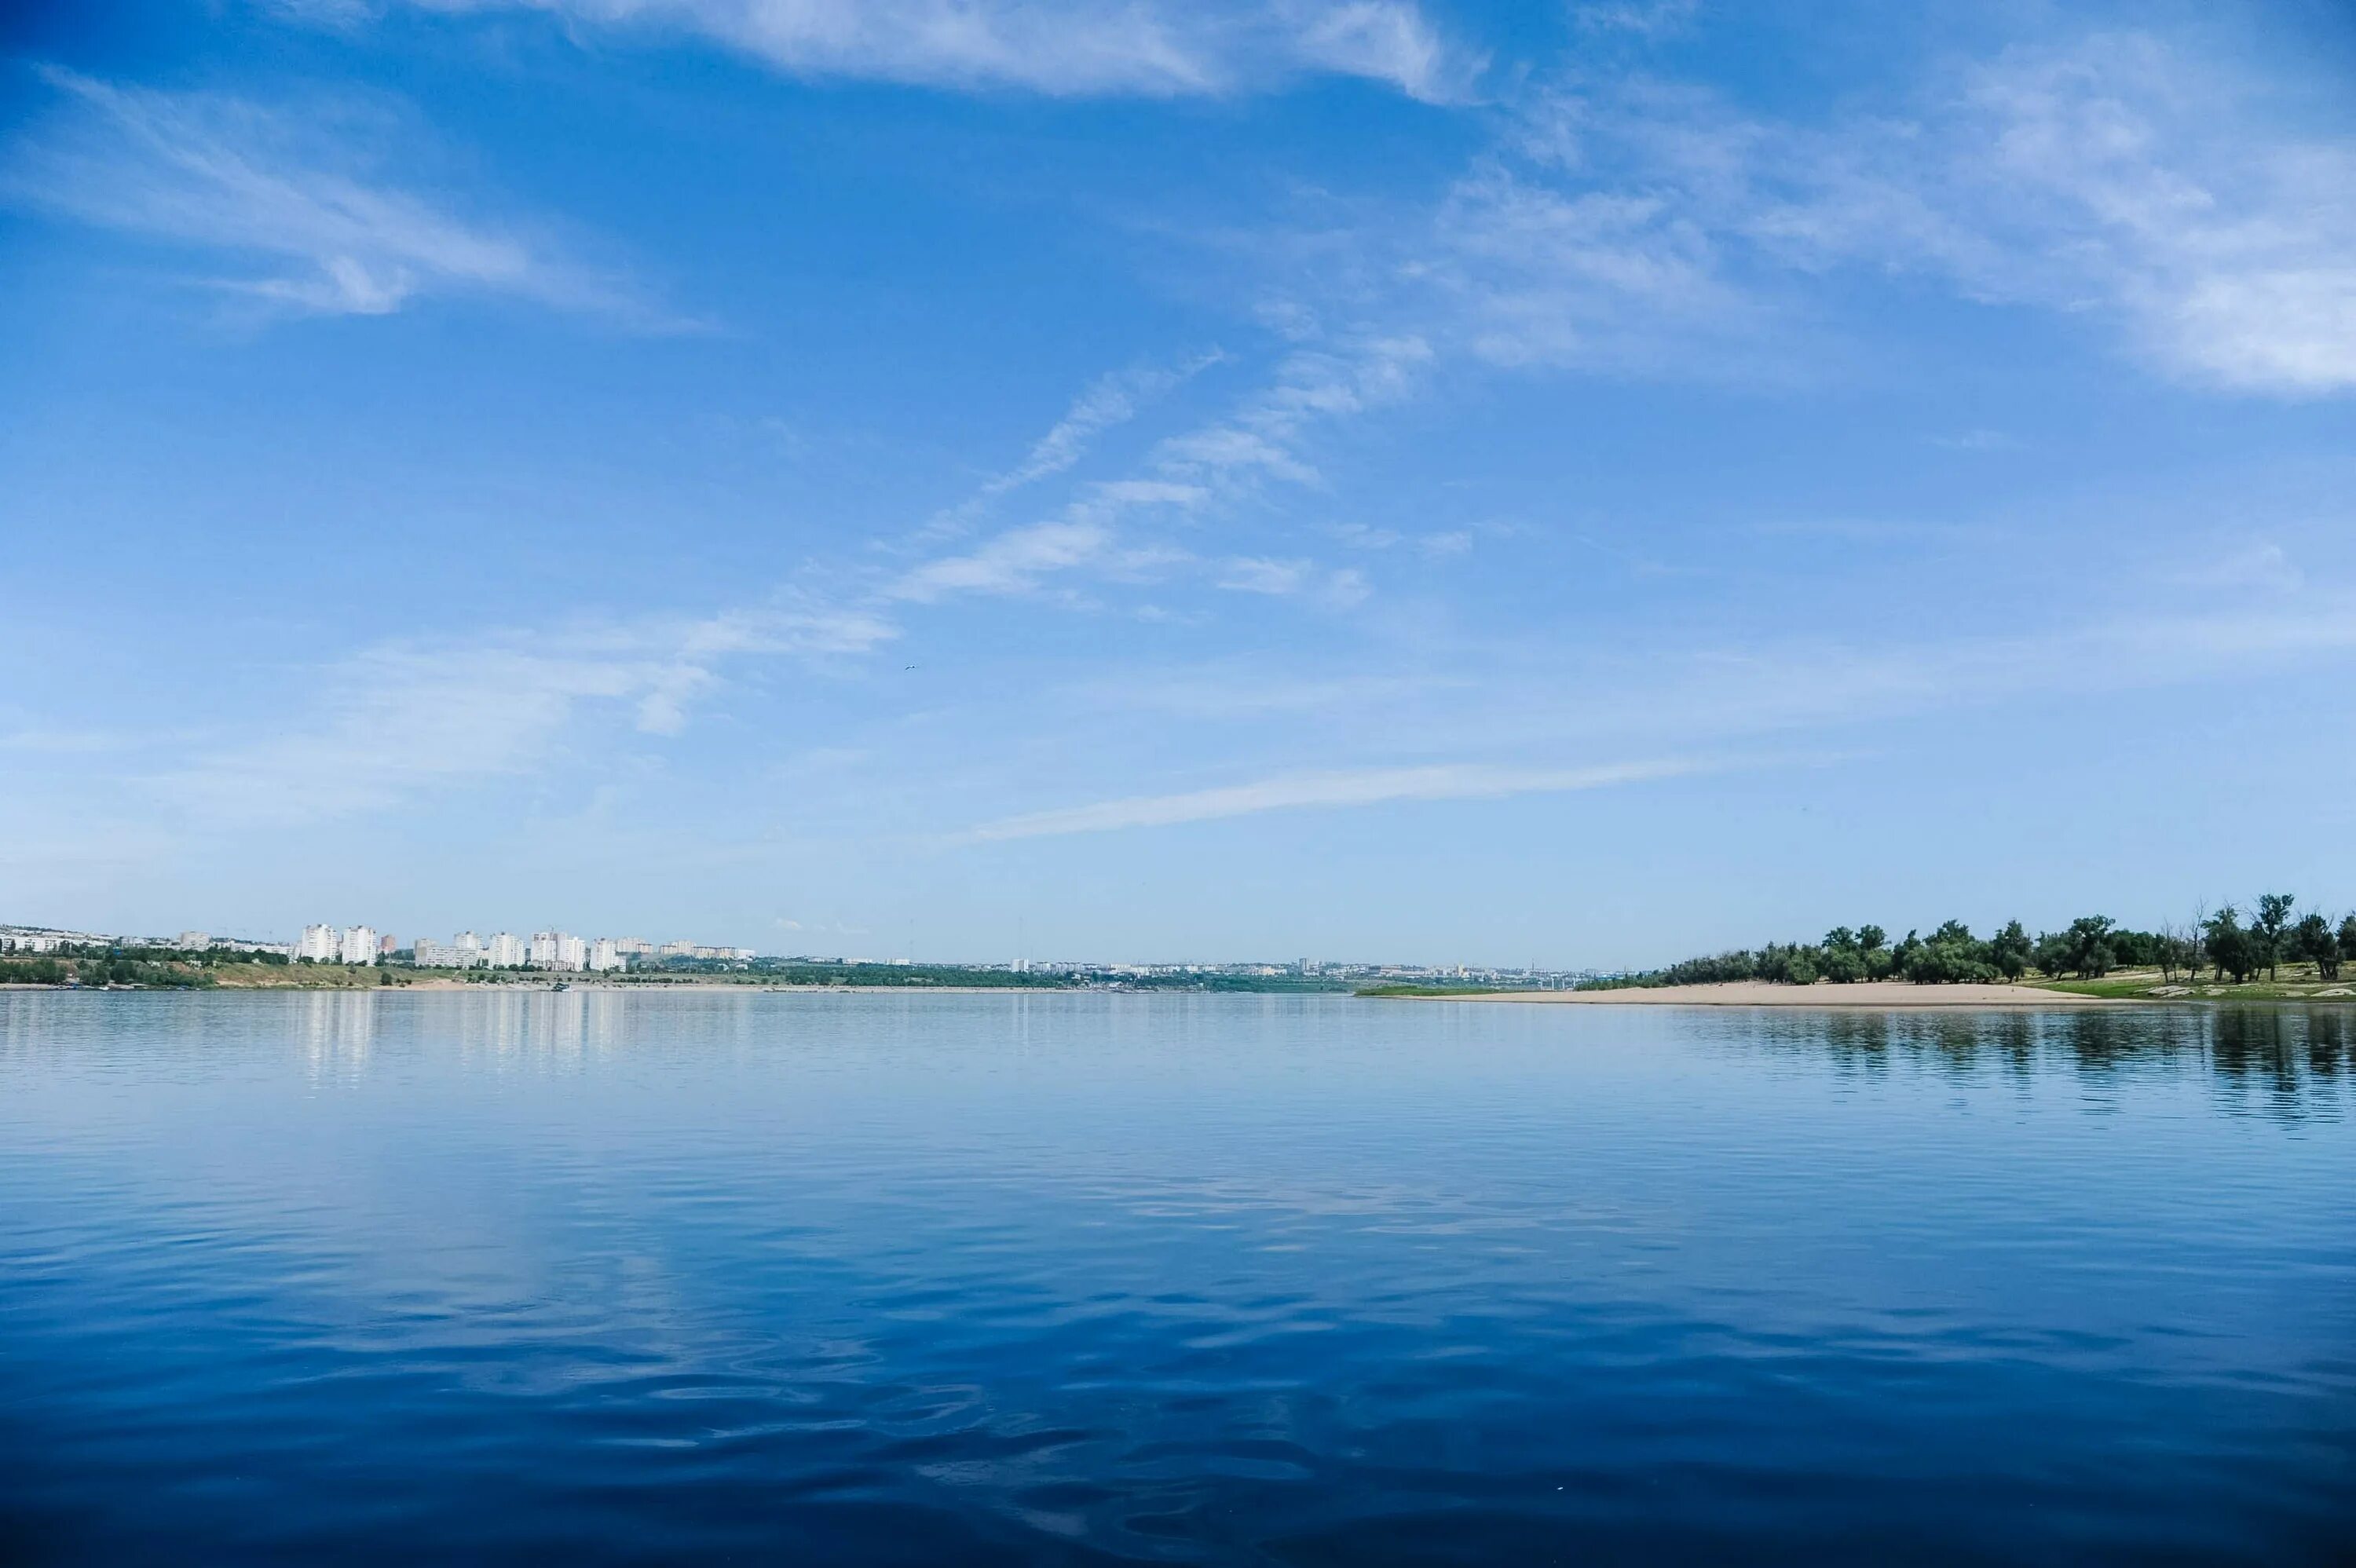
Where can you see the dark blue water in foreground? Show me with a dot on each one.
(598, 1277)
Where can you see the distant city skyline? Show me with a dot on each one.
(1570, 485)
(558, 952)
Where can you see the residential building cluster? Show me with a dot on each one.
(560, 952)
(346, 944)
(39, 939)
(556, 952)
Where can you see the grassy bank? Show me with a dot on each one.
(309, 978)
(2152, 986)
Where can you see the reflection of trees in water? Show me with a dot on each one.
(2286, 1054)
(2290, 1061)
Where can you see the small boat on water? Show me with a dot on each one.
(562, 985)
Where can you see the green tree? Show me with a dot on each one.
(2312, 940)
(1902, 953)
(1949, 954)
(2051, 954)
(1881, 963)
(2091, 954)
(2231, 946)
(2268, 925)
(2009, 952)
(2173, 950)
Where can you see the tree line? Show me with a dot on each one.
(88, 964)
(100, 969)
(2225, 942)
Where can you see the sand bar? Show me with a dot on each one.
(1875, 995)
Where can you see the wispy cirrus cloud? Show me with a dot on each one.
(2225, 244)
(1290, 579)
(404, 719)
(1063, 47)
(1105, 404)
(1316, 384)
(1338, 787)
(1642, 18)
(1011, 562)
(291, 199)
(1108, 402)
(1264, 436)
(1642, 225)
(1597, 280)
(1680, 710)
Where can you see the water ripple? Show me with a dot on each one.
(623, 1278)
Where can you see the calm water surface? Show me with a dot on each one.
(608, 1278)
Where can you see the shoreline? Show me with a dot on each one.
(1871, 996)
(1865, 995)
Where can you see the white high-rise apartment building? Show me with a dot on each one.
(506, 950)
(320, 944)
(605, 954)
(468, 941)
(432, 954)
(359, 945)
(572, 952)
(543, 949)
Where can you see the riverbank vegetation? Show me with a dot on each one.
(183, 969)
(150, 967)
(2271, 939)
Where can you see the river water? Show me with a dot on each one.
(618, 1278)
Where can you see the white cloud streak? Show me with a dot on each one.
(1061, 47)
(1642, 226)
(402, 719)
(1263, 437)
(1601, 279)
(1112, 400)
(1349, 787)
(221, 173)
(1677, 698)
(2228, 247)
(1012, 563)
(1107, 404)
(1642, 18)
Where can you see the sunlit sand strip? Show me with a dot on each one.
(1870, 993)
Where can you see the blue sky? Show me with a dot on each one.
(1570, 484)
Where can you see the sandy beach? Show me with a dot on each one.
(1875, 995)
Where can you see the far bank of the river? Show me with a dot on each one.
(1872, 995)
(320, 977)
(1877, 994)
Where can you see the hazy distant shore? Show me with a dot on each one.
(1875, 995)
